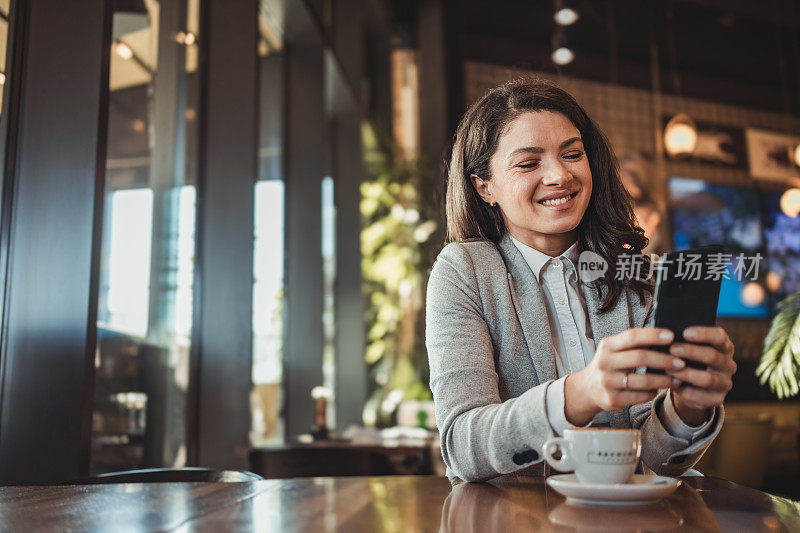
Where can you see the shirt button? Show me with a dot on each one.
(573, 342)
(556, 263)
(562, 301)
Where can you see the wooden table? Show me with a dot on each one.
(404, 503)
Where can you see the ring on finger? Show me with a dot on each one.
(625, 381)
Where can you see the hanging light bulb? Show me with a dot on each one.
(123, 50)
(753, 294)
(773, 281)
(790, 202)
(563, 56)
(680, 135)
(566, 17)
(187, 38)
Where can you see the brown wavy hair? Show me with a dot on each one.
(608, 226)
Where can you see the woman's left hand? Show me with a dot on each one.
(698, 390)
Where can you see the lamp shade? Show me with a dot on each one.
(565, 16)
(562, 56)
(680, 135)
(790, 202)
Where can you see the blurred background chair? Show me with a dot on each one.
(740, 452)
(175, 475)
(332, 459)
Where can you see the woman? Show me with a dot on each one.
(521, 349)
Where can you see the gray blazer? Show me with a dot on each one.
(491, 358)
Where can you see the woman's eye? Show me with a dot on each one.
(529, 164)
(576, 155)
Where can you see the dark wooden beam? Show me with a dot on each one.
(306, 159)
(222, 341)
(51, 232)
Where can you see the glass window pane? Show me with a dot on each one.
(329, 298)
(128, 286)
(267, 311)
(147, 259)
(4, 10)
(268, 254)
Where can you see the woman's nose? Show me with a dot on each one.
(555, 173)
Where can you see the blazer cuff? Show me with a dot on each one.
(675, 426)
(555, 403)
(668, 455)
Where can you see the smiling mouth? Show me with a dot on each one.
(559, 201)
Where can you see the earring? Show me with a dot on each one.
(493, 204)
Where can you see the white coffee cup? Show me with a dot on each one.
(597, 455)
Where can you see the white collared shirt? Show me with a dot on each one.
(572, 338)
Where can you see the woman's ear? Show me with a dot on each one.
(482, 186)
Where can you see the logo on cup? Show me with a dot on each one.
(612, 458)
(591, 266)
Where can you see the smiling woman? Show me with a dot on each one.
(520, 348)
(542, 212)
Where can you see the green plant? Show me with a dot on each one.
(780, 362)
(396, 235)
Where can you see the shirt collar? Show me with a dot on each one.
(538, 260)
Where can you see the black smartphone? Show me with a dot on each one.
(687, 293)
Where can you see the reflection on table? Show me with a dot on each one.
(392, 503)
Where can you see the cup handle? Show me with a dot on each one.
(551, 446)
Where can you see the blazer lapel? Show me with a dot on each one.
(530, 307)
(615, 321)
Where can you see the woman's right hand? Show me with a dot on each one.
(603, 386)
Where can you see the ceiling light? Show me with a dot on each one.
(566, 17)
(790, 202)
(123, 50)
(563, 56)
(680, 135)
(187, 38)
(773, 281)
(753, 294)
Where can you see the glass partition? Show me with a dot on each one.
(147, 267)
(5, 6)
(268, 254)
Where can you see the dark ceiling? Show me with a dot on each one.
(735, 51)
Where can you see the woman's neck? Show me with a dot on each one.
(552, 245)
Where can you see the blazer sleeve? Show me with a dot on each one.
(481, 437)
(662, 452)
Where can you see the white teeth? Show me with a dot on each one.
(556, 202)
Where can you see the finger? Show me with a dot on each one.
(699, 398)
(636, 337)
(715, 336)
(708, 355)
(622, 399)
(703, 379)
(637, 382)
(631, 359)
(634, 397)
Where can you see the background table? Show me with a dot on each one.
(402, 503)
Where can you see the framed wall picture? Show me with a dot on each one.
(771, 154)
(716, 145)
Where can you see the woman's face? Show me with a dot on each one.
(540, 156)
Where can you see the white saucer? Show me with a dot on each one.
(640, 490)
